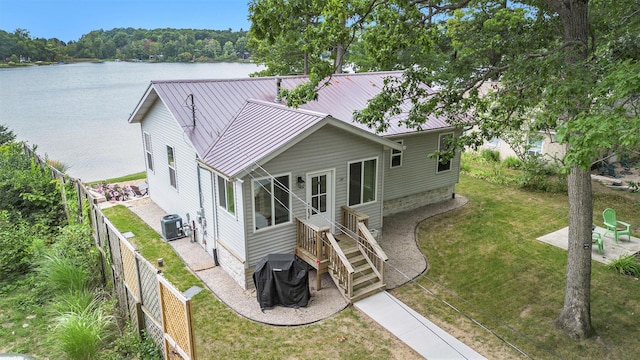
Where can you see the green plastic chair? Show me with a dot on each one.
(612, 223)
(596, 238)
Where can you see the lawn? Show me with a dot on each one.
(485, 262)
(222, 334)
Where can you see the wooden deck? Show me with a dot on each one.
(353, 259)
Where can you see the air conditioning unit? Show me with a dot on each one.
(172, 227)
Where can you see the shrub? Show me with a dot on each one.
(129, 345)
(491, 155)
(512, 162)
(625, 265)
(535, 174)
(28, 189)
(6, 135)
(16, 245)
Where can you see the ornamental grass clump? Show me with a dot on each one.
(63, 275)
(81, 335)
(626, 265)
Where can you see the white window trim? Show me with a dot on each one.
(253, 202)
(220, 179)
(399, 153)
(174, 167)
(148, 150)
(440, 136)
(375, 191)
(531, 150)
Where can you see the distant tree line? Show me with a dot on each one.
(171, 45)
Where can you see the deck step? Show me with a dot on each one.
(368, 291)
(370, 278)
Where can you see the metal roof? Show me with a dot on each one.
(216, 114)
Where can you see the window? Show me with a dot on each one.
(494, 142)
(444, 144)
(148, 150)
(171, 160)
(535, 145)
(271, 201)
(226, 200)
(396, 156)
(362, 182)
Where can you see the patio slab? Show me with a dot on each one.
(612, 251)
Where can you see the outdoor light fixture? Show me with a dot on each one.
(300, 182)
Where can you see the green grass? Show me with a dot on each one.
(81, 334)
(136, 176)
(484, 257)
(486, 262)
(24, 322)
(221, 333)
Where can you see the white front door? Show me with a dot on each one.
(320, 206)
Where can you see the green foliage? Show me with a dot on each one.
(126, 43)
(129, 345)
(6, 135)
(512, 162)
(625, 265)
(81, 335)
(27, 188)
(74, 301)
(535, 174)
(63, 274)
(17, 250)
(58, 165)
(491, 155)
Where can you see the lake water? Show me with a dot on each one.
(77, 113)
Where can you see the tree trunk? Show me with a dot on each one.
(575, 318)
(339, 59)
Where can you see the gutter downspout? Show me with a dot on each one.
(201, 201)
(383, 167)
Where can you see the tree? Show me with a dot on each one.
(6, 135)
(568, 65)
(315, 28)
(229, 50)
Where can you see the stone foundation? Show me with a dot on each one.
(232, 266)
(417, 200)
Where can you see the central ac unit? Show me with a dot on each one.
(172, 227)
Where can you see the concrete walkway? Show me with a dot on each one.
(612, 251)
(423, 336)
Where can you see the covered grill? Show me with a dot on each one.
(281, 279)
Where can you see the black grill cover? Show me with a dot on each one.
(281, 279)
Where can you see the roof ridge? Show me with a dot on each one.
(285, 107)
(273, 77)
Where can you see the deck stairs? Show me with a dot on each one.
(366, 281)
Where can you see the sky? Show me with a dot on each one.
(68, 20)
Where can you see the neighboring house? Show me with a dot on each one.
(254, 177)
(542, 143)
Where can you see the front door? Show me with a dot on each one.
(320, 198)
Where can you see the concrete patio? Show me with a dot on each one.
(612, 251)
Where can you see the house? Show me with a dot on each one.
(253, 177)
(541, 143)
